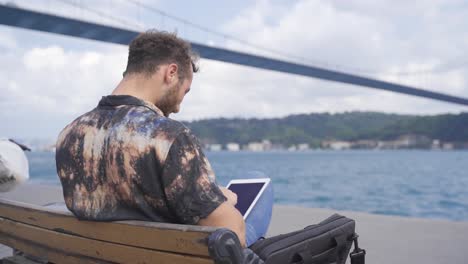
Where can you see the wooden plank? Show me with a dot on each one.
(185, 239)
(42, 252)
(81, 247)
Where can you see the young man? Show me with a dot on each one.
(126, 159)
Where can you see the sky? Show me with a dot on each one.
(47, 80)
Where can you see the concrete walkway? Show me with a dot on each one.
(387, 239)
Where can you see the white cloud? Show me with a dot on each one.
(72, 79)
(50, 86)
(52, 58)
(7, 40)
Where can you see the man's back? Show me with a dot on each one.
(126, 160)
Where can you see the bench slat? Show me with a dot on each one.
(80, 247)
(183, 239)
(44, 252)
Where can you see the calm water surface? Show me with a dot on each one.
(429, 184)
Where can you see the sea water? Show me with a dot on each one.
(428, 184)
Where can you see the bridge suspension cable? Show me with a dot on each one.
(102, 14)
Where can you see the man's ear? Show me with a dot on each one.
(171, 75)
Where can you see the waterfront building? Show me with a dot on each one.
(232, 146)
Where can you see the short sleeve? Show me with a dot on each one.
(189, 182)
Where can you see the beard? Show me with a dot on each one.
(169, 102)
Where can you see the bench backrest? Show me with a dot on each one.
(61, 238)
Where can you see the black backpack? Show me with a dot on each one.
(328, 242)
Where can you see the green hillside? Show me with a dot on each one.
(314, 128)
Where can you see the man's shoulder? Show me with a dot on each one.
(167, 131)
(140, 123)
(144, 119)
(169, 125)
(72, 126)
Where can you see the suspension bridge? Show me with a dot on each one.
(14, 16)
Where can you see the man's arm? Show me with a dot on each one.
(192, 192)
(226, 215)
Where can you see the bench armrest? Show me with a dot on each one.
(225, 248)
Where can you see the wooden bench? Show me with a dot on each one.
(58, 237)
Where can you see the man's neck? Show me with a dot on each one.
(138, 87)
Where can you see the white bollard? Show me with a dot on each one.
(14, 168)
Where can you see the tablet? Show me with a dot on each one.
(248, 192)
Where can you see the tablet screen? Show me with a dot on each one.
(246, 194)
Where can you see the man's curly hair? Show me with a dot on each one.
(153, 48)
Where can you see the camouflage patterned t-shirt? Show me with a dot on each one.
(126, 160)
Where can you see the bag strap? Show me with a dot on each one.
(358, 255)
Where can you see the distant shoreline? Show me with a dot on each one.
(314, 150)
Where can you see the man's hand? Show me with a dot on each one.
(231, 197)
